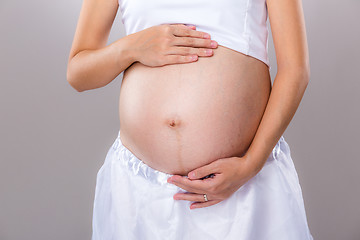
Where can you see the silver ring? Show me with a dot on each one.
(205, 197)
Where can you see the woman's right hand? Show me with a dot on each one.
(170, 44)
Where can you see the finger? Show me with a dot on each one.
(195, 186)
(194, 197)
(193, 27)
(193, 42)
(185, 31)
(173, 59)
(190, 51)
(204, 204)
(203, 171)
(187, 188)
(189, 26)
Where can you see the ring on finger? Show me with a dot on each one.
(205, 197)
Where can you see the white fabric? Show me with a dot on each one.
(237, 24)
(134, 202)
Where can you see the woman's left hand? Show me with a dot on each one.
(229, 174)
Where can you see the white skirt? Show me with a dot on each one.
(135, 202)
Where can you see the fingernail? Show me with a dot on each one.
(213, 44)
(206, 35)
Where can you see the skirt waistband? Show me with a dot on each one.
(138, 167)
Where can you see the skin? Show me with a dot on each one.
(93, 65)
(183, 116)
(289, 35)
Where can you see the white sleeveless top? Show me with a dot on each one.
(237, 24)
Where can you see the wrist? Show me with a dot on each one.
(254, 164)
(125, 54)
(130, 48)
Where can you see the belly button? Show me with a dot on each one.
(172, 123)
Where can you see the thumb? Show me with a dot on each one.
(203, 171)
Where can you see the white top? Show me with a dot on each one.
(237, 24)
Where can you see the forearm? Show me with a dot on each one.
(287, 92)
(90, 69)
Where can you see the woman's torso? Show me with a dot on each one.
(178, 117)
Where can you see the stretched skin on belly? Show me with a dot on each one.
(174, 125)
(179, 117)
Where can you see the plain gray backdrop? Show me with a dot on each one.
(54, 139)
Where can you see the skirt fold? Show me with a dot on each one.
(134, 202)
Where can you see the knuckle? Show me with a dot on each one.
(187, 32)
(202, 51)
(160, 60)
(186, 50)
(207, 42)
(190, 41)
(166, 40)
(167, 28)
(163, 44)
(161, 48)
(175, 59)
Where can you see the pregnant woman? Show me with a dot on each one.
(200, 152)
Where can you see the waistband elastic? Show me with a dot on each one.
(138, 167)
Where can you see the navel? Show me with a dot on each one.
(173, 122)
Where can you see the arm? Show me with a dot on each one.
(91, 64)
(229, 174)
(289, 35)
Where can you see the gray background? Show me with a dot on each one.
(54, 139)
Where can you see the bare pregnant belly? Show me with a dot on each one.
(176, 118)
